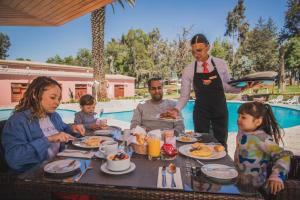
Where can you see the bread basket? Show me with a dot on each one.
(140, 148)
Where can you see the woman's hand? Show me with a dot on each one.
(275, 186)
(78, 128)
(60, 137)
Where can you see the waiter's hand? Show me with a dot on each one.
(207, 82)
(174, 112)
(252, 85)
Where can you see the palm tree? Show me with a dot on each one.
(98, 22)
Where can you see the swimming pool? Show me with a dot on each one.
(286, 117)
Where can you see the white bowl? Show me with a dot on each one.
(117, 165)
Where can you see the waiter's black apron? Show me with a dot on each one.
(210, 105)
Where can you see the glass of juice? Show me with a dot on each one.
(153, 148)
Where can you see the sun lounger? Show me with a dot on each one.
(294, 100)
(277, 100)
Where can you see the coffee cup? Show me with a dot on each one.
(109, 147)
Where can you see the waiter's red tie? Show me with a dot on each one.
(205, 69)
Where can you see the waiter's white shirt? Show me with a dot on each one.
(188, 76)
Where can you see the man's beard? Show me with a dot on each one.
(157, 97)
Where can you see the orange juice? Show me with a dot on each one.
(153, 148)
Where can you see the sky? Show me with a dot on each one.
(170, 16)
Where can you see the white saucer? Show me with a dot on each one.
(107, 171)
(99, 154)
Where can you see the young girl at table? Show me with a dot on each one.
(87, 114)
(35, 132)
(257, 144)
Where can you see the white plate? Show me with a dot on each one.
(193, 134)
(61, 166)
(219, 171)
(168, 120)
(99, 154)
(192, 140)
(79, 143)
(107, 171)
(103, 132)
(185, 150)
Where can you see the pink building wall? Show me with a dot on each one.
(81, 75)
(129, 89)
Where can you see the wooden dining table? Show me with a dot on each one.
(141, 183)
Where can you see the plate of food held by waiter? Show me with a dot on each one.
(168, 117)
(258, 78)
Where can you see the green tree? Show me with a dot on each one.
(84, 58)
(4, 45)
(98, 22)
(181, 51)
(55, 60)
(222, 49)
(139, 63)
(236, 28)
(23, 59)
(117, 54)
(159, 52)
(288, 41)
(69, 60)
(261, 46)
(292, 20)
(292, 58)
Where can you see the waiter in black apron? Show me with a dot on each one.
(209, 77)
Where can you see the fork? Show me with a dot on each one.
(173, 184)
(164, 179)
(68, 165)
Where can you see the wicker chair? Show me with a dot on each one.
(3, 164)
(7, 177)
(292, 185)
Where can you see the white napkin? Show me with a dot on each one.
(76, 153)
(156, 133)
(177, 178)
(139, 130)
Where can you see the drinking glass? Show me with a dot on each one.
(153, 148)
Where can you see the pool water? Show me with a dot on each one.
(286, 117)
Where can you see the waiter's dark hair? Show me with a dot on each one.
(264, 111)
(199, 38)
(153, 79)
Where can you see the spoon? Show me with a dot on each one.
(172, 171)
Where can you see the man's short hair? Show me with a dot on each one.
(153, 79)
